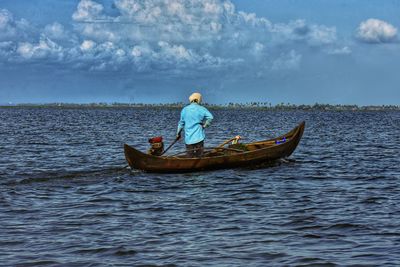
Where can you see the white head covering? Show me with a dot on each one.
(195, 96)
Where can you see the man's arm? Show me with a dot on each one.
(208, 117)
(181, 124)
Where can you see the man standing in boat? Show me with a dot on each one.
(194, 119)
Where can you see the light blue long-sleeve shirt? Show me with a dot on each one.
(194, 118)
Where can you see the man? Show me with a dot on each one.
(194, 119)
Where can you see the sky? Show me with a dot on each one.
(160, 51)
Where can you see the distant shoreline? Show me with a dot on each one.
(251, 105)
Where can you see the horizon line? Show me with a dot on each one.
(255, 104)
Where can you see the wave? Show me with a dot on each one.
(56, 175)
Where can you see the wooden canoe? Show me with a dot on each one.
(257, 153)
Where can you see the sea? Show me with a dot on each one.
(67, 197)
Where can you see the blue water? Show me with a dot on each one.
(67, 198)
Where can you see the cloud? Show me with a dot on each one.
(287, 61)
(152, 20)
(87, 45)
(56, 31)
(165, 36)
(205, 32)
(7, 25)
(300, 31)
(11, 29)
(45, 48)
(190, 21)
(345, 50)
(322, 35)
(87, 10)
(376, 31)
(258, 48)
(7, 49)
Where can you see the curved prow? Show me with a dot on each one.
(131, 154)
(296, 136)
(293, 136)
(126, 152)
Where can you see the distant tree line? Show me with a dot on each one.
(231, 105)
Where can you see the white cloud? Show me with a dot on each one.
(45, 48)
(322, 35)
(299, 30)
(170, 35)
(56, 31)
(258, 48)
(87, 45)
(287, 61)
(376, 31)
(171, 56)
(139, 51)
(6, 18)
(87, 10)
(176, 52)
(345, 50)
(11, 29)
(252, 20)
(170, 20)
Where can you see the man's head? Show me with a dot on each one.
(195, 97)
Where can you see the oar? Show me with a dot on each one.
(173, 143)
(227, 141)
(224, 143)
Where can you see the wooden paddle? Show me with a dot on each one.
(173, 143)
(224, 143)
(227, 141)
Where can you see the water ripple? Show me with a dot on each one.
(67, 198)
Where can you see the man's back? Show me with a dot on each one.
(194, 118)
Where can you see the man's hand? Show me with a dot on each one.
(178, 135)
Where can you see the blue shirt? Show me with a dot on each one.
(194, 118)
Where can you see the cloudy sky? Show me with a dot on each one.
(326, 51)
